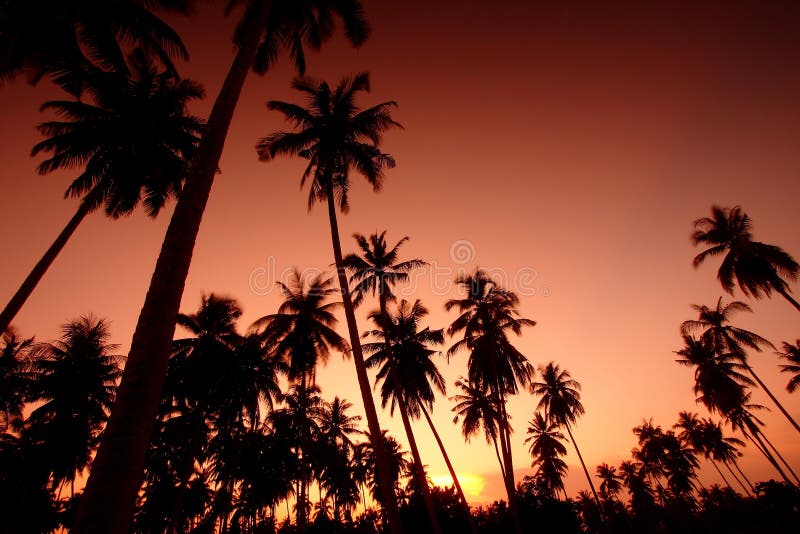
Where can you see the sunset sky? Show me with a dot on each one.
(564, 146)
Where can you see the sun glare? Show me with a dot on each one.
(471, 484)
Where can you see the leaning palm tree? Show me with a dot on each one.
(757, 268)
(266, 29)
(133, 136)
(545, 449)
(406, 372)
(694, 433)
(722, 448)
(561, 402)
(791, 353)
(336, 136)
(717, 332)
(487, 314)
(74, 384)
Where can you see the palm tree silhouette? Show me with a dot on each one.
(75, 380)
(302, 333)
(134, 143)
(336, 136)
(64, 40)
(718, 333)
(611, 482)
(757, 268)
(15, 379)
(545, 448)
(266, 29)
(407, 372)
(495, 367)
(724, 449)
(791, 353)
(561, 402)
(336, 427)
(477, 409)
(693, 433)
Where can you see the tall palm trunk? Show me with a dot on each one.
(746, 491)
(583, 464)
(785, 294)
(739, 469)
(725, 480)
(780, 456)
(36, 274)
(450, 468)
(771, 459)
(419, 469)
(376, 437)
(771, 396)
(505, 449)
(110, 494)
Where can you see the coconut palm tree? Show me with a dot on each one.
(337, 448)
(302, 333)
(74, 384)
(266, 29)
(14, 379)
(757, 268)
(406, 372)
(611, 482)
(561, 402)
(132, 135)
(718, 333)
(719, 384)
(64, 40)
(545, 448)
(336, 136)
(693, 433)
(791, 353)
(487, 314)
(723, 449)
(398, 466)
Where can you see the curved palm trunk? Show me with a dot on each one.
(110, 494)
(450, 468)
(780, 456)
(771, 396)
(785, 294)
(508, 472)
(419, 470)
(583, 464)
(36, 274)
(381, 460)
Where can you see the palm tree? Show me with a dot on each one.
(74, 381)
(487, 313)
(634, 480)
(561, 402)
(545, 448)
(337, 136)
(301, 416)
(478, 410)
(398, 466)
(134, 143)
(14, 379)
(336, 427)
(718, 382)
(757, 268)
(64, 40)
(302, 332)
(407, 372)
(265, 30)
(718, 333)
(791, 353)
(611, 482)
(694, 433)
(724, 449)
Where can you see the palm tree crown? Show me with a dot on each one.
(757, 268)
(334, 135)
(791, 353)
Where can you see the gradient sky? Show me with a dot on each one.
(566, 146)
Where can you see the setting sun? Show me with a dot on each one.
(471, 484)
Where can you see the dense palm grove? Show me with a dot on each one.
(226, 429)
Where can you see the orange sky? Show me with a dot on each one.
(563, 140)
